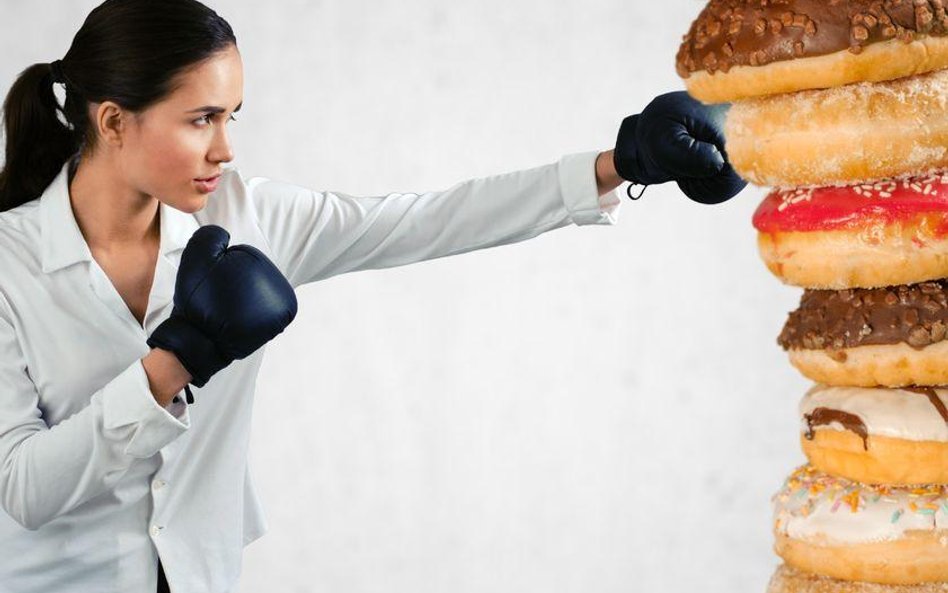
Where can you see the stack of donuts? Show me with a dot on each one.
(840, 108)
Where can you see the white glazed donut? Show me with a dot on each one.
(877, 435)
(856, 532)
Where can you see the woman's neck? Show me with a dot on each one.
(112, 216)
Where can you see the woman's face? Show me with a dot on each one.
(183, 138)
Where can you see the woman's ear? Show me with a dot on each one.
(111, 122)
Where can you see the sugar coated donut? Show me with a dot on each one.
(895, 437)
(884, 233)
(787, 579)
(892, 336)
(852, 134)
(855, 532)
(737, 49)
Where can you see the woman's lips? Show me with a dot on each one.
(207, 185)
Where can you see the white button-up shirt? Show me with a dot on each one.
(97, 480)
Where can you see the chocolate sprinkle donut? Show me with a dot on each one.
(916, 314)
(731, 33)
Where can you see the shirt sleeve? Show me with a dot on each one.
(47, 471)
(314, 235)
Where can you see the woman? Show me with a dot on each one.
(119, 288)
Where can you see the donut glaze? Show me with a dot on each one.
(831, 510)
(877, 435)
(855, 206)
(856, 532)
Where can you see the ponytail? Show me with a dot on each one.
(38, 144)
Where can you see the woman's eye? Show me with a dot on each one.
(207, 118)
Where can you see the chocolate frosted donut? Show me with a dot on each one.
(891, 336)
(744, 48)
(915, 314)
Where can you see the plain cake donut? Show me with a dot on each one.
(787, 579)
(858, 133)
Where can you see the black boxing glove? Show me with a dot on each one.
(678, 138)
(228, 302)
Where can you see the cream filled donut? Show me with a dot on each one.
(856, 532)
(787, 579)
(845, 135)
(877, 435)
(866, 337)
(860, 236)
(737, 49)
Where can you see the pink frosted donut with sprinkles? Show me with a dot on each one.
(885, 233)
(855, 532)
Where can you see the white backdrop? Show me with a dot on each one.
(597, 409)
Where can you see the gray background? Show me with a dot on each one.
(598, 409)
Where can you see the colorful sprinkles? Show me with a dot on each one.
(842, 494)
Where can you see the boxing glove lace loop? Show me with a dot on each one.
(628, 191)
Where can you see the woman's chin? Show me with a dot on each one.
(192, 204)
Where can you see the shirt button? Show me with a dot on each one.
(155, 530)
(158, 485)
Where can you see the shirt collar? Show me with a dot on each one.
(63, 243)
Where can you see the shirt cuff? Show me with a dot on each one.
(127, 400)
(577, 176)
(178, 406)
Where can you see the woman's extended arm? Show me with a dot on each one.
(314, 235)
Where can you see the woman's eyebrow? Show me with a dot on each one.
(215, 109)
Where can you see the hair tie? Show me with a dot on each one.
(57, 71)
